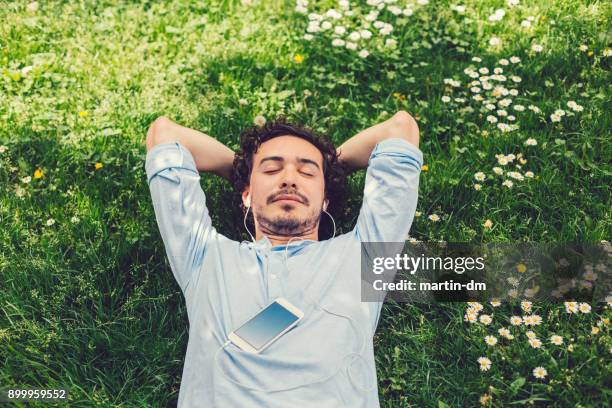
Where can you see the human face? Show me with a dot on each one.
(287, 187)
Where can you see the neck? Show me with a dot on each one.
(276, 239)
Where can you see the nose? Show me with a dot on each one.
(289, 178)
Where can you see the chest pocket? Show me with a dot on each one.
(322, 349)
(312, 352)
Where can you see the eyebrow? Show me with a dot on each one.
(280, 159)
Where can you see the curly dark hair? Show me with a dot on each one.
(335, 172)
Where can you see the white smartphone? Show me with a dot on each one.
(266, 326)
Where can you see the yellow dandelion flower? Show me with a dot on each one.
(488, 224)
(594, 330)
(521, 268)
(38, 174)
(82, 114)
(590, 53)
(424, 167)
(298, 58)
(98, 166)
(485, 399)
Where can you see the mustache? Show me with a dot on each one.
(301, 196)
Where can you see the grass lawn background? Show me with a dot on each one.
(87, 299)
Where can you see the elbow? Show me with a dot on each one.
(405, 127)
(156, 131)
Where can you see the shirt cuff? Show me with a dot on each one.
(397, 145)
(167, 155)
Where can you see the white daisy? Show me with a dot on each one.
(485, 363)
(540, 372)
(495, 41)
(556, 340)
(490, 340)
(259, 120)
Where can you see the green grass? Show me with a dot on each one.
(92, 305)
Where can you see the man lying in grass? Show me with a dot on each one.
(288, 177)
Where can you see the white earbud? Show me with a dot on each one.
(325, 205)
(248, 200)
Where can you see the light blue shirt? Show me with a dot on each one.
(327, 360)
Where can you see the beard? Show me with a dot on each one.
(288, 224)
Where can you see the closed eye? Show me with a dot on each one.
(274, 171)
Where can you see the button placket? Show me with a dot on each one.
(274, 278)
(266, 275)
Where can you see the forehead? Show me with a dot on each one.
(288, 147)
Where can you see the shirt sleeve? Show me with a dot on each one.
(180, 208)
(391, 192)
(389, 203)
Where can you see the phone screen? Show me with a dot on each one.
(266, 325)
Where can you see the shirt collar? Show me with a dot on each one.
(265, 244)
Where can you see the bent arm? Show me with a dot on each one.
(356, 151)
(209, 154)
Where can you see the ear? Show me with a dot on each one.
(246, 198)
